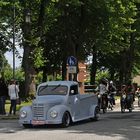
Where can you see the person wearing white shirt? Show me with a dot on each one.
(102, 89)
(103, 92)
(13, 93)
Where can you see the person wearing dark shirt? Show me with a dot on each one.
(112, 91)
(130, 91)
(3, 96)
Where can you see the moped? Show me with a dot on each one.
(110, 101)
(104, 103)
(126, 102)
(138, 99)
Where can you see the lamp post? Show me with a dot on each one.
(26, 60)
(28, 17)
(14, 42)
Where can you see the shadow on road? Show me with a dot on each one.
(113, 123)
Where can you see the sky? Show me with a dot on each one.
(9, 57)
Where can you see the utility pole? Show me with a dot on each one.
(14, 42)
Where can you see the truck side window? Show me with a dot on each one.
(73, 90)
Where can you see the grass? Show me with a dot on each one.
(7, 105)
(7, 108)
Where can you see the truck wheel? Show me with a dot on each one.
(27, 126)
(96, 114)
(66, 120)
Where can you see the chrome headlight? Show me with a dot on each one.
(23, 114)
(53, 114)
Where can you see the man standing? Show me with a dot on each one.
(13, 93)
(3, 96)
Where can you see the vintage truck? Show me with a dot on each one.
(59, 102)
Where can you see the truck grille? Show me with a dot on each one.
(38, 110)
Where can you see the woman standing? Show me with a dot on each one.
(13, 93)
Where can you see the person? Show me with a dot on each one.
(3, 96)
(103, 92)
(123, 100)
(112, 91)
(13, 93)
(130, 94)
(138, 91)
(123, 90)
(103, 87)
(138, 95)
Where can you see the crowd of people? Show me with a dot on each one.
(10, 91)
(107, 91)
(106, 94)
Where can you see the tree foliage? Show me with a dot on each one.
(107, 30)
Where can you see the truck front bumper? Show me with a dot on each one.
(40, 122)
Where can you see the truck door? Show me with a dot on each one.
(74, 101)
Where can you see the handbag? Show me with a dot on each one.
(18, 101)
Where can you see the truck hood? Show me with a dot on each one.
(49, 99)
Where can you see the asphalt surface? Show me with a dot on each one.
(112, 125)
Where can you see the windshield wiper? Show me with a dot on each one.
(56, 87)
(43, 87)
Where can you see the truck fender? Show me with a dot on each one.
(92, 110)
(28, 110)
(60, 109)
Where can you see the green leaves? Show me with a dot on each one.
(60, 28)
(38, 57)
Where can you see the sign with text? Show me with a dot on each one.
(72, 69)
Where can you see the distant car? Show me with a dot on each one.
(59, 102)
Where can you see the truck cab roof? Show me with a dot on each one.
(67, 83)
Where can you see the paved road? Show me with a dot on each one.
(113, 125)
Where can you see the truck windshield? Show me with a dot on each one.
(52, 90)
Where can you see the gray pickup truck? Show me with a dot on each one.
(59, 102)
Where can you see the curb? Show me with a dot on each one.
(9, 117)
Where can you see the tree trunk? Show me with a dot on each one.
(130, 59)
(44, 75)
(27, 60)
(64, 70)
(93, 66)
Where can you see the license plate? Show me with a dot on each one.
(38, 122)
